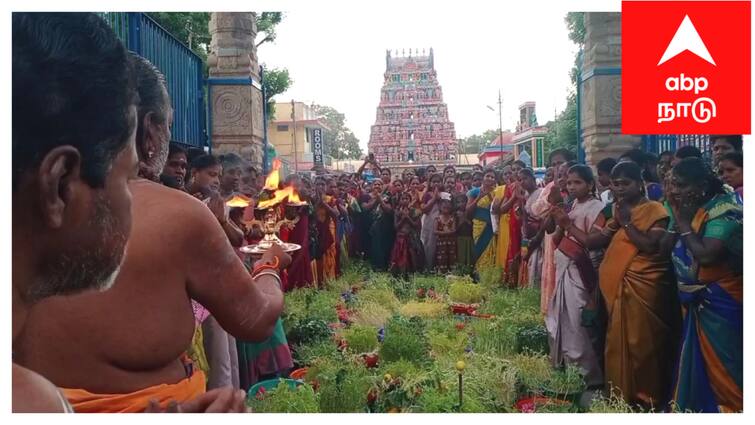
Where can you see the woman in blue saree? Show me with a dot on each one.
(707, 258)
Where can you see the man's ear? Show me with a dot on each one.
(151, 140)
(58, 172)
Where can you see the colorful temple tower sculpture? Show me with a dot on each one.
(412, 126)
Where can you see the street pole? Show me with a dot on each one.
(500, 124)
(293, 118)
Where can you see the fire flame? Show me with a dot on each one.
(238, 201)
(293, 198)
(271, 184)
(277, 198)
(273, 179)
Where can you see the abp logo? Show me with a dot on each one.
(685, 67)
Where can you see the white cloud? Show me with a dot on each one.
(336, 57)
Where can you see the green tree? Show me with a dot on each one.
(193, 29)
(190, 28)
(477, 142)
(562, 133)
(275, 81)
(266, 23)
(575, 23)
(340, 141)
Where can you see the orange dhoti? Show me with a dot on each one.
(85, 402)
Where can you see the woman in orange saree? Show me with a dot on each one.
(639, 293)
(325, 213)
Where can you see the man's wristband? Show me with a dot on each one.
(265, 266)
(270, 273)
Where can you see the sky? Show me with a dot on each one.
(336, 57)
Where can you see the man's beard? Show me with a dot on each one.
(83, 268)
(151, 168)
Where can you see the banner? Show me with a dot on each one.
(317, 147)
(685, 67)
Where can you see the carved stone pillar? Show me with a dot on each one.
(600, 105)
(236, 107)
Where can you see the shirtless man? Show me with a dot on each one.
(66, 191)
(113, 351)
(70, 178)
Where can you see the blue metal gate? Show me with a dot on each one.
(657, 143)
(183, 70)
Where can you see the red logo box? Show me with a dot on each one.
(685, 67)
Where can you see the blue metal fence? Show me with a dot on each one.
(183, 70)
(657, 143)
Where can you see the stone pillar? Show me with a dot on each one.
(236, 109)
(600, 105)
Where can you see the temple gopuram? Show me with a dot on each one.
(412, 126)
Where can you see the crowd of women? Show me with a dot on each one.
(639, 267)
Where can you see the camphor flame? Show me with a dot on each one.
(277, 198)
(293, 198)
(273, 179)
(271, 185)
(238, 201)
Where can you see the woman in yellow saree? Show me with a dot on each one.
(502, 217)
(478, 207)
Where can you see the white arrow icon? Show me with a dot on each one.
(686, 38)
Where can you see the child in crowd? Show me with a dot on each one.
(445, 232)
(407, 255)
(604, 167)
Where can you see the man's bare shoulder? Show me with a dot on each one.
(167, 204)
(32, 393)
(148, 191)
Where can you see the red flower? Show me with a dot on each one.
(371, 360)
(343, 315)
(260, 393)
